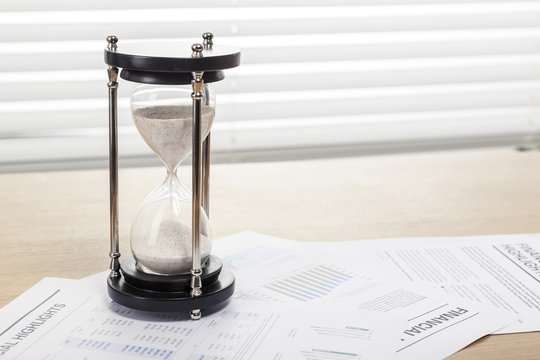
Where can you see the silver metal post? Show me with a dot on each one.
(205, 197)
(196, 180)
(207, 43)
(197, 96)
(112, 72)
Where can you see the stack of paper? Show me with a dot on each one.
(383, 299)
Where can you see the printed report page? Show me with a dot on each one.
(502, 271)
(438, 324)
(87, 325)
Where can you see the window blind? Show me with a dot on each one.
(316, 76)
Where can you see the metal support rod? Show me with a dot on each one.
(197, 97)
(207, 44)
(196, 270)
(196, 182)
(205, 197)
(112, 72)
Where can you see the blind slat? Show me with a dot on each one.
(322, 131)
(253, 106)
(33, 5)
(299, 48)
(302, 76)
(163, 23)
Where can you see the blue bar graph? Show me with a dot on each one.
(116, 348)
(309, 283)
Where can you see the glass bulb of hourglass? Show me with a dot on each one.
(161, 234)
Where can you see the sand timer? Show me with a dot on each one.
(172, 269)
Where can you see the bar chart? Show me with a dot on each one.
(309, 283)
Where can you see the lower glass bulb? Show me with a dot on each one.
(161, 236)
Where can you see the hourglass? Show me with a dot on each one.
(173, 108)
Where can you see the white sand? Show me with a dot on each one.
(167, 129)
(170, 254)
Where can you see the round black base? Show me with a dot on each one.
(213, 294)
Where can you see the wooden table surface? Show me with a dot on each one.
(56, 223)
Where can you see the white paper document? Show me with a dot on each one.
(438, 325)
(61, 320)
(502, 271)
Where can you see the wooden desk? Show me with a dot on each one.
(56, 223)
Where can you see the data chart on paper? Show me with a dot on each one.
(242, 331)
(115, 332)
(308, 283)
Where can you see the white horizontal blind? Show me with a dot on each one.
(315, 75)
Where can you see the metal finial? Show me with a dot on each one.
(197, 50)
(208, 36)
(112, 40)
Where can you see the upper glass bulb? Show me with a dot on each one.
(163, 117)
(161, 239)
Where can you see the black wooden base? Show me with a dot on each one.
(143, 294)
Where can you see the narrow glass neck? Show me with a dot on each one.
(175, 186)
(172, 177)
